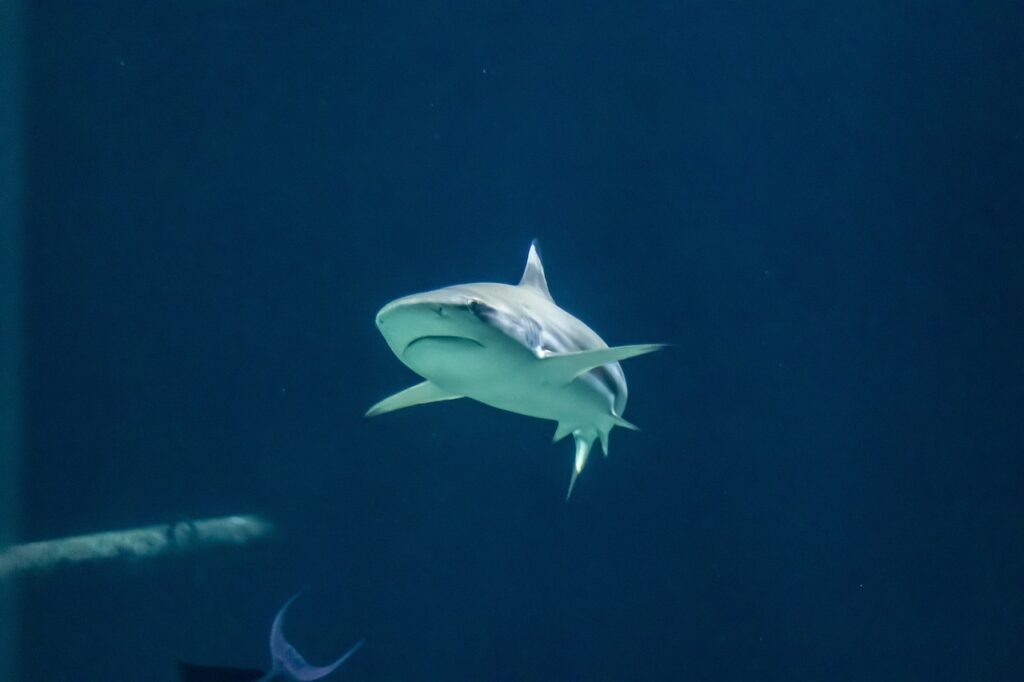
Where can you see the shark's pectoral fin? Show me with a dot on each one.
(564, 367)
(419, 394)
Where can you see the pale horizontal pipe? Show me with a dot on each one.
(145, 542)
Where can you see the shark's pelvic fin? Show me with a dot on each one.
(583, 444)
(619, 421)
(533, 275)
(420, 394)
(562, 431)
(564, 367)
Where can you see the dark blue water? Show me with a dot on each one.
(818, 204)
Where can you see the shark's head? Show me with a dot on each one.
(436, 331)
(445, 314)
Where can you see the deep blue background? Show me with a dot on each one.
(818, 204)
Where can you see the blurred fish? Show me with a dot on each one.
(146, 542)
(286, 662)
(510, 347)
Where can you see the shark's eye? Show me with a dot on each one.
(478, 308)
(440, 311)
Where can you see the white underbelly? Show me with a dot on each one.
(576, 403)
(512, 381)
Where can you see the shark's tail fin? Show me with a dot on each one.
(189, 672)
(584, 441)
(289, 662)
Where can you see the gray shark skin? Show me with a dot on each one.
(513, 348)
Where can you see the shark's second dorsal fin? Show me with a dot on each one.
(533, 275)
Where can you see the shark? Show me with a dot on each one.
(513, 348)
(286, 662)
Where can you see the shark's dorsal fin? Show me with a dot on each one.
(425, 392)
(564, 367)
(533, 275)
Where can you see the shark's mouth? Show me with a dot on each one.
(450, 340)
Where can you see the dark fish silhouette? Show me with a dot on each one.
(189, 672)
(286, 662)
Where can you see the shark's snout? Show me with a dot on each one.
(432, 315)
(387, 312)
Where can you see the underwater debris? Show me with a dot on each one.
(145, 542)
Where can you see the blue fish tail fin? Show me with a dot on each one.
(289, 662)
